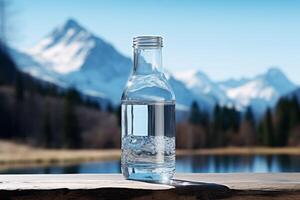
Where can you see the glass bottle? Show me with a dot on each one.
(148, 116)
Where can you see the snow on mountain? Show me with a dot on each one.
(185, 95)
(261, 91)
(29, 65)
(71, 56)
(201, 85)
(73, 40)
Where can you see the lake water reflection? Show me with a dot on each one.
(189, 164)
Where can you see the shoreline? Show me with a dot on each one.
(13, 155)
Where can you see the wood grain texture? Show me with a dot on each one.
(185, 186)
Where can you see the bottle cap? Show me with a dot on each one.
(147, 41)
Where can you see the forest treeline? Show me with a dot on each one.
(279, 127)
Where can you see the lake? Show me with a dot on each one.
(187, 164)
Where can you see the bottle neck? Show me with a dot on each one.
(147, 60)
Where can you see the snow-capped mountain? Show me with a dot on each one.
(201, 85)
(261, 91)
(71, 56)
(183, 94)
(75, 42)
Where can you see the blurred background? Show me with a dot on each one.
(234, 66)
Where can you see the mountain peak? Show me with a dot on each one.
(277, 77)
(200, 74)
(274, 72)
(72, 24)
(69, 29)
(279, 80)
(66, 47)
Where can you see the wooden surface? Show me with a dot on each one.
(184, 186)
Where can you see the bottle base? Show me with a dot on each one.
(148, 174)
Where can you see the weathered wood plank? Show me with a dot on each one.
(184, 186)
(250, 181)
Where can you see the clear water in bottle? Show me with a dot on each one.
(148, 142)
(148, 116)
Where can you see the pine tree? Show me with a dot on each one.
(73, 96)
(249, 116)
(282, 127)
(294, 136)
(6, 125)
(19, 87)
(110, 108)
(195, 114)
(247, 129)
(234, 118)
(294, 110)
(267, 137)
(47, 138)
(216, 137)
(118, 115)
(71, 132)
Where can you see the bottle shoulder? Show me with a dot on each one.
(150, 87)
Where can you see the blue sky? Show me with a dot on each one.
(225, 39)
